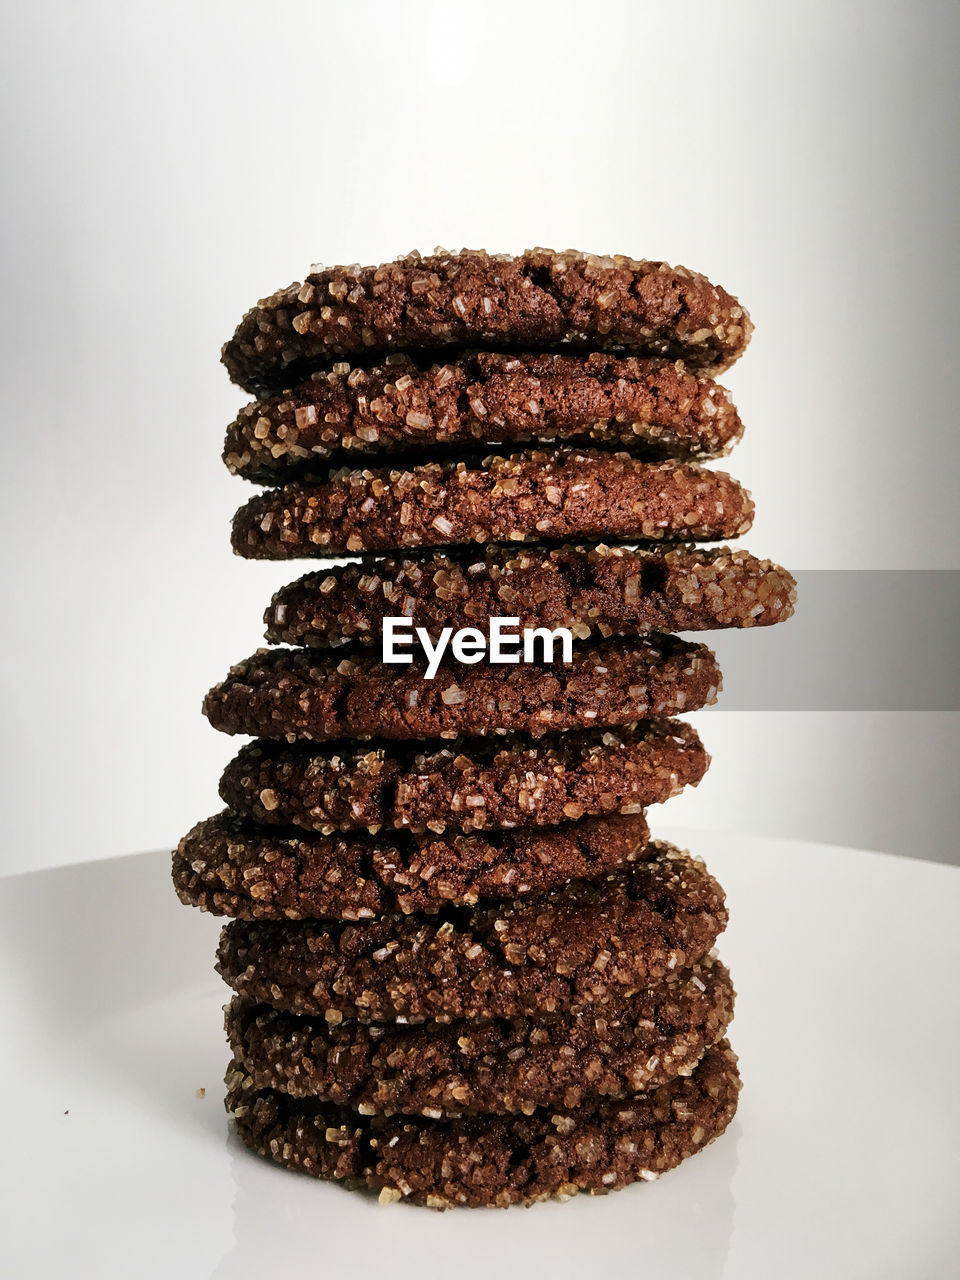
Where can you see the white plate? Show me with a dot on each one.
(842, 1161)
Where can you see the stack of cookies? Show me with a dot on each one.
(463, 972)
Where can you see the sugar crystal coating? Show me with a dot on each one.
(583, 944)
(493, 1160)
(474, 784)
(651, 407)
(232, 866)
(533, 496)
(539, 299)
(595, 591)
(494, 1065)
(298, 693)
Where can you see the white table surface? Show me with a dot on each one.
(843, 1160)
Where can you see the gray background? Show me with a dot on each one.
(166, 165)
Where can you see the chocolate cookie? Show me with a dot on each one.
(298, 693)
(502, 1065)
(651, 407)
(474, 785)
(529, 497)
(493, 1160)
(540, 299)
(584, 944)
(607, 590)
(232, 867)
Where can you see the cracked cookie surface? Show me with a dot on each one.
(498, 1065)
(302, 694)
(599, 590)
(493, 1160)
(653, 408)
(535, 496)
(478, 784)
(538, 299)
(584, 944)
(233, 867)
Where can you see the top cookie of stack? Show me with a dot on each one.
(540, 300)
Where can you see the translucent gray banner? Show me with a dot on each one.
(861, 640)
